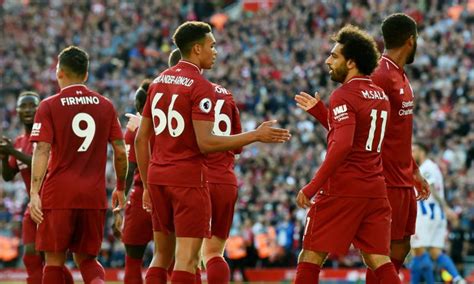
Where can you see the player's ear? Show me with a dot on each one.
(350, 64)
(197, 48)
(86, 76)
(410, 41)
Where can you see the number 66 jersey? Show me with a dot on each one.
(175, 98)
(78, 123)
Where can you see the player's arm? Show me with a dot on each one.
(132, 166)
(208, 142)
(341, 146)
(8, 170)
(314, 106)
(120, 162)
(38, 170)
(422, 186)
(142, 153)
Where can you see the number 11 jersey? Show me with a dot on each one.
(176, 97)
(78, 123)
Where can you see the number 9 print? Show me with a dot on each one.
(87, 133)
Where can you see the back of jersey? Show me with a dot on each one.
(175, 98)
(364, 104)
(78, 123)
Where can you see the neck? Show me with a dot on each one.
(193, 60)
(397, 56)
(28, 128)
(66, 83)
(352, 73)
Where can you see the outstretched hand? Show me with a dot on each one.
(305, 101)
(268, 134)
(133, 121)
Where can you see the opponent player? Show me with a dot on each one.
(71, 211)
(351, 205)
(137, 227)
(431, 225)
(179, 110)
(222, 183)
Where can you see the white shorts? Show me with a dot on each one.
(429, 233)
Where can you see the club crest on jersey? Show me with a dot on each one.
(205, 105)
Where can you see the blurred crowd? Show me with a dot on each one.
(264, 58)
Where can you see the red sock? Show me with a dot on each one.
(53, 274)
(307, 273)
(156, 275)
(198, 277)
(34, 268)
(182, 277)
(218, 271)
(133, 270)
(397, 263)
(68, 279)
(387, 274)
(92, 272)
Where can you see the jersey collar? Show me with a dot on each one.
(184, 62)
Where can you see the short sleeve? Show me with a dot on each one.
(236, 125)
(340, 110)
(115, 129)
(42, 130)
(203, 100)
(147, 108)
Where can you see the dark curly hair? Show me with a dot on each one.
(358, 46)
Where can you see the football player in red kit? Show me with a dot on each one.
(351, 205)
(180, 114)
(72, 130)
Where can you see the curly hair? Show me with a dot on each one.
(358, 46)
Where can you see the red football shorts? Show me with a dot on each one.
(28, 230)
(186, 211)
(223, 198)
(333, 223)
(137, 225)
(403, 203)
(79, 230)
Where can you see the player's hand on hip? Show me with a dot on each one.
(268, 134)
(146, 201)
(118, 200)
(305, 101)
(133, 121)
(35, 208)
(302, 201)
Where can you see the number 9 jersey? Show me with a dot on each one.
(78, 123)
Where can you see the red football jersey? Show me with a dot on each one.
(77, 123)
(22, 144)
(397, 158)
(221, 164)
(361, 108)
(175, 98)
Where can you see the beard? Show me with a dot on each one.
(339, 74)
(411, 56)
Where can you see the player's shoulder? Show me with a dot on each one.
(221, 92)
(387, 71)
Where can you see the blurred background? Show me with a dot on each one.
(267, 51)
